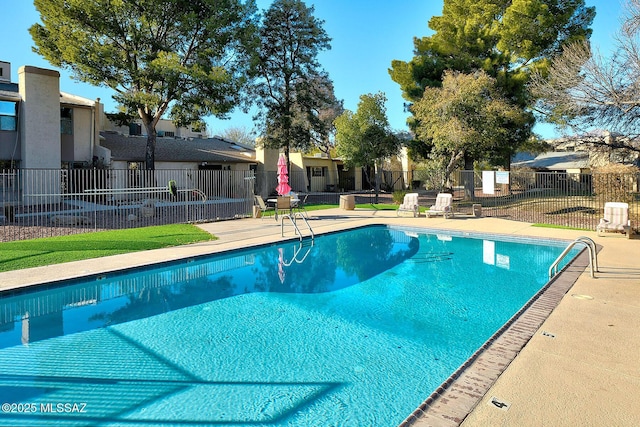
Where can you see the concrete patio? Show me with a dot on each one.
(580, 368)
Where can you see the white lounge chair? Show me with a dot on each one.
(443, 206)
(409, 204)
(616, 218)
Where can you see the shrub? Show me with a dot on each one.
(522, 179)
(616, 182)
(398, 196)
(430, 176)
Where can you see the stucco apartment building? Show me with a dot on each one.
(41, 127)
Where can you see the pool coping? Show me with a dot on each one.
(457, 396)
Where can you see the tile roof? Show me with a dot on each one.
(132, 148)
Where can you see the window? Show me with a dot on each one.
(169, 134)
(8, 164)
(135, 129)
(66, 121)
(8, 114)
(317, 171)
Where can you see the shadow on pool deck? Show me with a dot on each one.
(580, 367)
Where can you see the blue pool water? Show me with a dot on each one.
(355, 328)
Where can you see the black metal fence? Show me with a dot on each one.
(569, 199)
(42, 203)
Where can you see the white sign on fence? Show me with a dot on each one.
(488, 182)
(502, 177)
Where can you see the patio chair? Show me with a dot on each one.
(443, 206)
(262, 206)
(409, 204)
(616, 218)
(283, 205)
(299, 206)
(295, 198)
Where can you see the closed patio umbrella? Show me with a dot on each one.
(283, 177)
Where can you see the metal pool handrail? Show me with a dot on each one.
(293, 218)
(593, 256)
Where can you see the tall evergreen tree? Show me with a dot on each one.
(182, 57)
(290, 86)
(507, 39)
(329, 108)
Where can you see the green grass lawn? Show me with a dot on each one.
(561, 227)
(55, 250)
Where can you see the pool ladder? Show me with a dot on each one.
(593, 256)
(292, 217)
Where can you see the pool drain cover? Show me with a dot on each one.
(500, 404)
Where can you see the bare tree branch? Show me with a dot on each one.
(584, 90)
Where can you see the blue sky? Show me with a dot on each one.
(366, 36)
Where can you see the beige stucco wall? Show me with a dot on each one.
(240, 166)
(103, 154)
(40, 130)
(176, 165)
(358, 178)
(82, 134)
(320, 183)
(407, 166)
(40, 127)
(577, 171)
(165, 125)
(267, 159)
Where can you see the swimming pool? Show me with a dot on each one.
(354, 328)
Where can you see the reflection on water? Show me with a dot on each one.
(329, 263)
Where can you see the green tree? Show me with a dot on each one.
(289, 89)
(182, 57)
(365, 138)
(466, 116)
(507, 39)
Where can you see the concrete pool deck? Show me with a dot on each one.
(581, 367)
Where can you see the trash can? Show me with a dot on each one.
(347, 202)
(477, 210)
